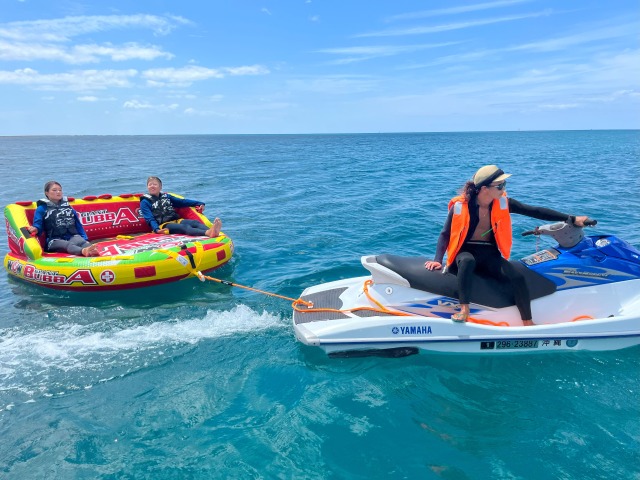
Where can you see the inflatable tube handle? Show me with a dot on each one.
(189, 254)
(27, 234)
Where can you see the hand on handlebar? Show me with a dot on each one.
(584, 221)
(550, 229)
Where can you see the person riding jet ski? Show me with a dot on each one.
(476, 236)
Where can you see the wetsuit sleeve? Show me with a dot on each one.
(147, 214)
(443, 239)
(183, 202)
(79, 227)
(540, 213)
(38, 218)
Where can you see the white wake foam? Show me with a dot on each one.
(70, 356)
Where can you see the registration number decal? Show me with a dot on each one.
(524, 344)
(540, 257)
(507, 344)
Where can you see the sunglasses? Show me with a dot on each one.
(500, 186)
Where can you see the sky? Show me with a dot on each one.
(151, 67)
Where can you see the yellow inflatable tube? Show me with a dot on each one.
(130, 256)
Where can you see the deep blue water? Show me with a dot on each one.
(200, 380)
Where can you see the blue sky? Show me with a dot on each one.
(314, 66)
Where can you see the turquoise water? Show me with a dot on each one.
(200, 380)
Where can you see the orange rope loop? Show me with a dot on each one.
(582, 317)
(381, 308)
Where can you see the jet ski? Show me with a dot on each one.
(585, 295)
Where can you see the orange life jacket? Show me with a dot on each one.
(500, 224)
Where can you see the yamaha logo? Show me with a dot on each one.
(412, 330)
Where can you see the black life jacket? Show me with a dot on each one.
(161, 208)
(59, 219)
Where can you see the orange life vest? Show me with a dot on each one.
(500, 224)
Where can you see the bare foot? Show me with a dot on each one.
(528, 323)
(462, 315)
(90, 251)
(214, 231)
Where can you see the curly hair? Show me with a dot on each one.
(469, 190)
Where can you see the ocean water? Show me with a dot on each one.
(200, 380)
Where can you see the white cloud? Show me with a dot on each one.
(88, 80)
(129, 51)
(556, 87)
(335, 84)
(93, 98)
(361, 53)
(180, 76)
(456, 59)
(563, 43)
(79, 80)
(50, 39)
(450, 26)
(203, 113)
(89, 53)
(248, 70)
(568, 41)
(617, 95)
(63, 29)
(240, 110)
(182, 96)
(138, 105)
(187, 75)
(560, 106)
(454, 10)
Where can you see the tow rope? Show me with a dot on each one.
(303, 306)
(295, 301)
(298, 304)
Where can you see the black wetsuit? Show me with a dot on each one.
(484, 256)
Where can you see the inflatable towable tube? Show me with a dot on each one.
(129, 255)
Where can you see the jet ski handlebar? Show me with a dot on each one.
(550, 228)
(565, 233)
